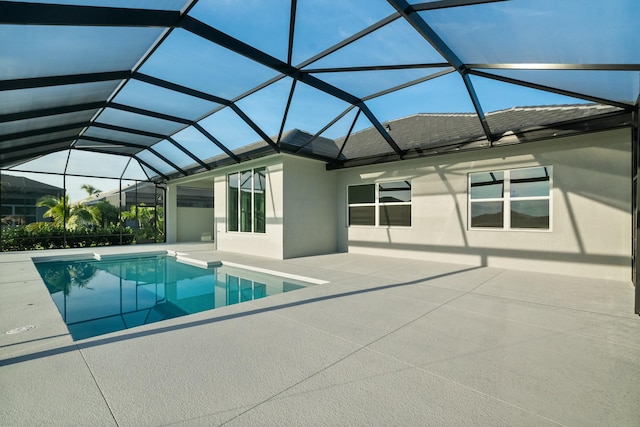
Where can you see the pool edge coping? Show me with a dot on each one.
(182, 257)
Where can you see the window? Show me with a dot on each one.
(241, 290)
(194, 197)
(510, 200)
(382, 204)
(246, 201)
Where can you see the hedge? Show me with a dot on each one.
(43, 235)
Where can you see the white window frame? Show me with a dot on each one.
(506, 200)
(377, 204)
(239, 203)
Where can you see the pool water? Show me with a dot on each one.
(96, 297)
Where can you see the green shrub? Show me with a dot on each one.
(47, 235)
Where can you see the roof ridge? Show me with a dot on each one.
(552, 107)
(515, 108)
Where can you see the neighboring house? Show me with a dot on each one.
(195, 203)
(19, 197)
(555, 196)
(142, 192)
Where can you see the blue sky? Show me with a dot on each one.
(522, 31)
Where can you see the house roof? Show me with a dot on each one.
(420, 134)
(425, 133)
(164, 89)
(20, 184)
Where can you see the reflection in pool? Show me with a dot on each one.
(97, 297)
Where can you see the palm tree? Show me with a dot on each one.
(63, 213)
(90, 189)
(150, 220)
(110, 214)
(84, 215)
(59, 210)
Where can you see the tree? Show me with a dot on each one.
(107, 214)
(63, 213)
(90, 189)
(150, 220)
(82, 215)
(59, 210)
(110, 214)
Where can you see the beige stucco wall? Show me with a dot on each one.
(171, 213)
(307, 210)
(268, 244)
(300, 207)
(591, 209)
(310, 222)
(196, 224)
(186, 224)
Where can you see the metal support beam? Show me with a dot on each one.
(216, 36)
(409, 84)
(381, 130)
(17, 156)
(142, 162)
(444, 4)
(426, 32)
(58, 14)
(188, 153)
(143, 133)
(124, 144)
(71, 79)
(627, 107)
(326, 127)
(286, 110)
(4, 153)
(216, 142)
(112, 142)
(292, 29)
(350, 40)
(346, 138)
(179, 88)
(202, 95)
(159, 136)
(167, 161)
(635, 197)
(209, 33)
(556, 66)
(254, 126)
(377, 68)
(144, 147)
(44, 131)
(51, 111)
(421, 26)
(149, 113)
(476, 104)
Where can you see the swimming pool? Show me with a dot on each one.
(98, 296)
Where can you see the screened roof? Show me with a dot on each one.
(167, 88)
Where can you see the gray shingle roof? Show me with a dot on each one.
(432, 130)
(420, 133)
(525, 118)
(12, 183)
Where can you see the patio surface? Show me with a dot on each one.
(386, 342)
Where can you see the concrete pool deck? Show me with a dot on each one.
(387, 341)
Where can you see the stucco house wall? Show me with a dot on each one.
(268, 244)
(306, 209)
(591, 209)
(196, 224)
(310, 222)
(300, 210)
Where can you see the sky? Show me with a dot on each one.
(554, 32)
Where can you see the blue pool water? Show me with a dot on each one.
(96, 297)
